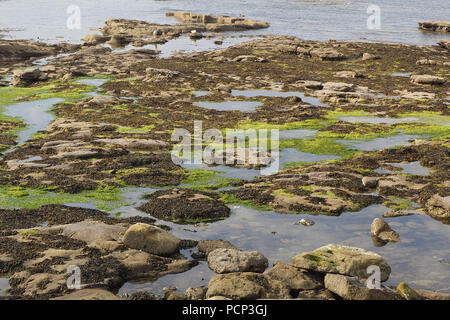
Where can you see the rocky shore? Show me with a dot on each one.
(329, 98)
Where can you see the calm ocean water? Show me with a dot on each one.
(307, 19)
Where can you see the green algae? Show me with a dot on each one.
(320, 146)
(199, 179)
(397, 204)
(231, 199)
(104, 197)
(143, 129)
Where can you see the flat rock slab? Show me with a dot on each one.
(344, 260)
(232, 260)
(90, 231)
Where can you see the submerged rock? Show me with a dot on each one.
(232, 260)
(307, 222)
(381, 230)
(344, 260)
(151, 239)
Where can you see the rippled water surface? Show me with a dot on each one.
(420, 258)
(307, 19)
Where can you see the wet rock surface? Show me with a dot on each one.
(343, 260)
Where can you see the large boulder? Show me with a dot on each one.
(232, 260)
(295, 278)
(151, 239)
(246, 286)
(353, 288)
(334, 258)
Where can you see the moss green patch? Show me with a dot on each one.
(320, 146)
(143, 129)
(29, 233)
(51, 89)
(206, 179)
(307, 124)
(431, 130)
(284, 193)
(397, 204)
(104, 197)
(228, 198)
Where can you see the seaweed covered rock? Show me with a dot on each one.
(334, 258)
(184, 205)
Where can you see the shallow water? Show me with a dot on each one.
(414, 168)
(297, 134)
(243, 106)
(293, 155)
(401, 74)
(184, 44)
(273, 93)
(377, 120)
(314, 20)
(4, 286)
(96, 82)
(34, 113)
(30, 159)
(418, 259)
(380, 143)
